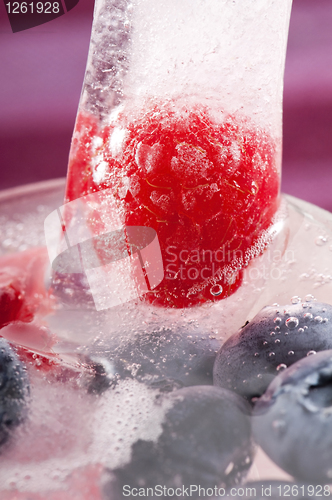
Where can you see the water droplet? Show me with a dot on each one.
(229, 468)
(277, 424)
(325, 320)
(292, 322)
(305, 327)
(308, 316)
(287, 312)
(275, 304)
(281, 367)
(216, 290)
(271, 354)
(291, 353)
(279, 427)
(296, 299)
(318, 319)
(310, 353)
(259, 375)
(272, 333)
(256, 354)
(300, 330)
(244, 381)
(277, 341)
(277, 328)
(321, 240)
(309, 298)
(254, 187)
(277, 320)
(265, 343)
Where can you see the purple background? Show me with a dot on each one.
(42, 71)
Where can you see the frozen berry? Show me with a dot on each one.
(14, 388)
(205, 441)
(207, 186)
(277, 337)
(22, 291)
(293, 419)
(170, 358)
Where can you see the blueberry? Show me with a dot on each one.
(205, 440)
(293, 420)
(14, 388)
(275, 339)
(166, 359)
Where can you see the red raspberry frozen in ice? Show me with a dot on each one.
(22, 291)
(208, 187)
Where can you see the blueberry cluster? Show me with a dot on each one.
(281, 362)
(272, 380)
(206, 431)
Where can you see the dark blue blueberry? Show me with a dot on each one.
(293, 420)
(205, 440)
(166, 359)
(14, 389)
(275, 339)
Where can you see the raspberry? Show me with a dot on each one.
(209, 189)
(22, 292)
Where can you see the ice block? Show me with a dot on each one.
(180, 118)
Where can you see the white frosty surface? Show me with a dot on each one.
(67, 430)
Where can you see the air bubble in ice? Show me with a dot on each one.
(216, 290)
(229, 468)
(309, 298)
(292, 322)
(277, 425)
(320, 241)
(7, 243)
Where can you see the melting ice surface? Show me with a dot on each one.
(68, 428)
